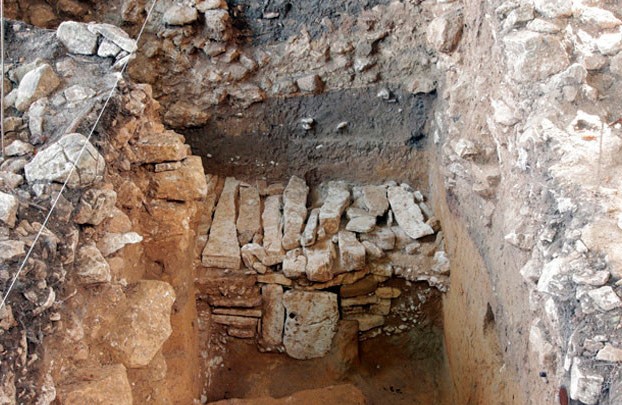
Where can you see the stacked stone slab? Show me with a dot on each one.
(284, 270)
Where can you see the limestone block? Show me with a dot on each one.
(361, 287)
(382, 237)
(180, 15)
(407, 213)
(337, 200)
(273, 317)
(533, 56)
(374, 200)
(91, 267)
(225, 288)
(273, 227)
(320, 258)
(362, 224)
(158, 148)
(222, 249)
(95, 206)
(310, 232)
(367, 321)
(77, 38)
(249, 217)
(605, 298)
(294, 264)
(113, 242)
(311, 323)
(184, 184)
(8, 209)
(294, 211)
(36, 84)
(585, 384)
(444, 32)
(115, 35)
(351, 251)
(98, 386)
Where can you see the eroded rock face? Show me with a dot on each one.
(143, 325)
(98, 386)
(311, 323)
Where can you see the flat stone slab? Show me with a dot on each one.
(222, 249)
(374, 200)
(361, 287)
(407, 213)
(273, 227)
(311, 323)
(310, 232)
(249, 217)
(273, 318)
(337, 200)
(362, 224)
(294, 211)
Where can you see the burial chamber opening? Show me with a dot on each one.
(321, 259)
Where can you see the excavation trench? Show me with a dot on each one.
(399, 327)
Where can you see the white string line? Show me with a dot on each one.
(73, 166)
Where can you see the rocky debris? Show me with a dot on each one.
(273, 227)
(91, 267)
(337, 200)
(37, 83)
(113, 242)
(408, 214)
(294, 211)
(311, 323)
(217, 24)
(384, 238)
(96, 205)
(185, 183)
(585, 384)
(77, 38)
(249, 216)
(143, 324)
(273, 317)
(222, 249)
(8, 209)
(105, 385)
(55, 163)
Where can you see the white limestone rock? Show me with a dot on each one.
(605, 298)
(273, 227)
(585, 384)
(320, 259)
(91, 267)
(115, 35)
(54, 163)
(445, 31)
(337, 200)
(273, 317)
(96, 205)
(249, 215)
(113, 242)
(311, 323)
(180, 15)
(351, 251)
(407, 213)
(310, 231)
(362, 224)
(36, 84)
(553, 8)
(294, 264)
(8, 209)
(18, 148)
(532, 56)
(294, 211)
(77, 38)
(610, 353)
(374, 200)
(383, 237)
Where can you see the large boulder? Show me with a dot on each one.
(311, 323)
(143, 324)
(55, 163)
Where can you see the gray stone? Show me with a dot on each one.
(273, 317)
(585, 384)
(96, 205)
(362, 224)
(382, 237)
(408, 214)
(77, 93)
(605, 298)
(55, 163)
(597, 17)
(8, 209)
(18, 148)
(310, 232)
(20, 71)
(609, 43)
(337, 200)
(351, 251)
(36, 115)
(77, 38)
(374, 199)
(616, 64)
(310, 84)
(217, 23)
(11, 250)
(294, 211)
(294, 264)
(311, 323)
(91, 267)
(533, 56)
(372, 250)
(113, 242)
(36, 84)
(107, 49)
(115, 35)
(222, 249)
(610, 353)
(180, 15)
(553, 8)
(249, 216)
(273, 227)
(320, 258)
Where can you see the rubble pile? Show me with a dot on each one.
(283, 271)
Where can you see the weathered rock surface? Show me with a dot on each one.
(217, 23)
(294, 264)
(273, 317)
(36, 84)
(187, 183)
(310, 232)
(533, 56)
(351, 251)
(158, 148)
(8, 209)
(294, 211)
(444, 32)
(91, 267)
(95, 206)
(374, 200)
(115, 35)
(320, 259)
(54, 163)
(222, 249)
(11, 250)
(77, 38)
(224, 288)
(273, 227)
(249, 217)
(362, 224)
(383, 237)
(113, 242)
(180, 15)
(585, 384)
(98, 386)
(337, 200)
(408, 214)
(311, 323)
(143, 325)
